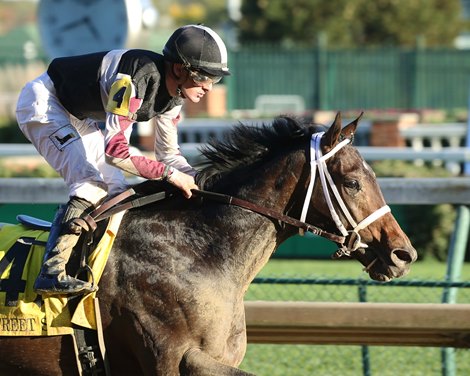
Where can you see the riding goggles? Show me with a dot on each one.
(202, 79)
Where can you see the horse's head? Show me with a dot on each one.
(266, 165)
(347, 199)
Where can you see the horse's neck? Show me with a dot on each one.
(257, 236)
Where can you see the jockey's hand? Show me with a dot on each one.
(183, 181)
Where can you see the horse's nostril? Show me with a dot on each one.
(403, 255)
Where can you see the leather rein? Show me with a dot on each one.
(230, 200)
(114, 206)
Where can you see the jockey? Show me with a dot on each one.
(60, 110)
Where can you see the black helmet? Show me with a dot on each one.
(198, 47)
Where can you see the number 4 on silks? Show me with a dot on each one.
(16, 256)
(120, 94)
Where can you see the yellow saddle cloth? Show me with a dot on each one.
(25, 313)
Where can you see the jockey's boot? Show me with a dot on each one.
(64, 235)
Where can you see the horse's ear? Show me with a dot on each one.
(331, 137)
(349, 130)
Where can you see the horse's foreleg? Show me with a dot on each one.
(196, 362)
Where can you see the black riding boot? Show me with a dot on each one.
(64, 235)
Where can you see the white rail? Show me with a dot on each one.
(396, 190)
(394, 324)
(370, 153)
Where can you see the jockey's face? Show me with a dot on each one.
(197, 85)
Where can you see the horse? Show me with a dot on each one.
(171, 294)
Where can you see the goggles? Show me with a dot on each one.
(202, 79)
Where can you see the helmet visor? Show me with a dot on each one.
(203, 79)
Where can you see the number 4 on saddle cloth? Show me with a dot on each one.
(22, 311)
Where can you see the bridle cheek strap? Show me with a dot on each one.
(317, 161)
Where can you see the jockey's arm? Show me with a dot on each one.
(167, 149)
(120, 114)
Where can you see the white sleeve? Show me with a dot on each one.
(167, 149)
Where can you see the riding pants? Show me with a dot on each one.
(73, 147)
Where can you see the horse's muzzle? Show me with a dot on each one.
(397, 265)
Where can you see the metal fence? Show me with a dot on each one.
(327, 79)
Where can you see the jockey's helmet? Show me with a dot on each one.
(199, 48)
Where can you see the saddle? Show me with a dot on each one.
(24, 313)
(34, 223)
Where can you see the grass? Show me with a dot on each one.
(306, 360)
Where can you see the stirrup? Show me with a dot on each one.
(51, 285)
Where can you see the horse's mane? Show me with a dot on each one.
(248, 144)
(242, 146)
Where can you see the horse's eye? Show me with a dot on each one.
(352, 184)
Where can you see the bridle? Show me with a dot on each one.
(349, 241)
(318, 162)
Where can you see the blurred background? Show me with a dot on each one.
(292, 56)
(406, 63)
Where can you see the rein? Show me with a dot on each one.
(114, 206)
(230, 200)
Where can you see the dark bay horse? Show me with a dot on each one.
(172, 292)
